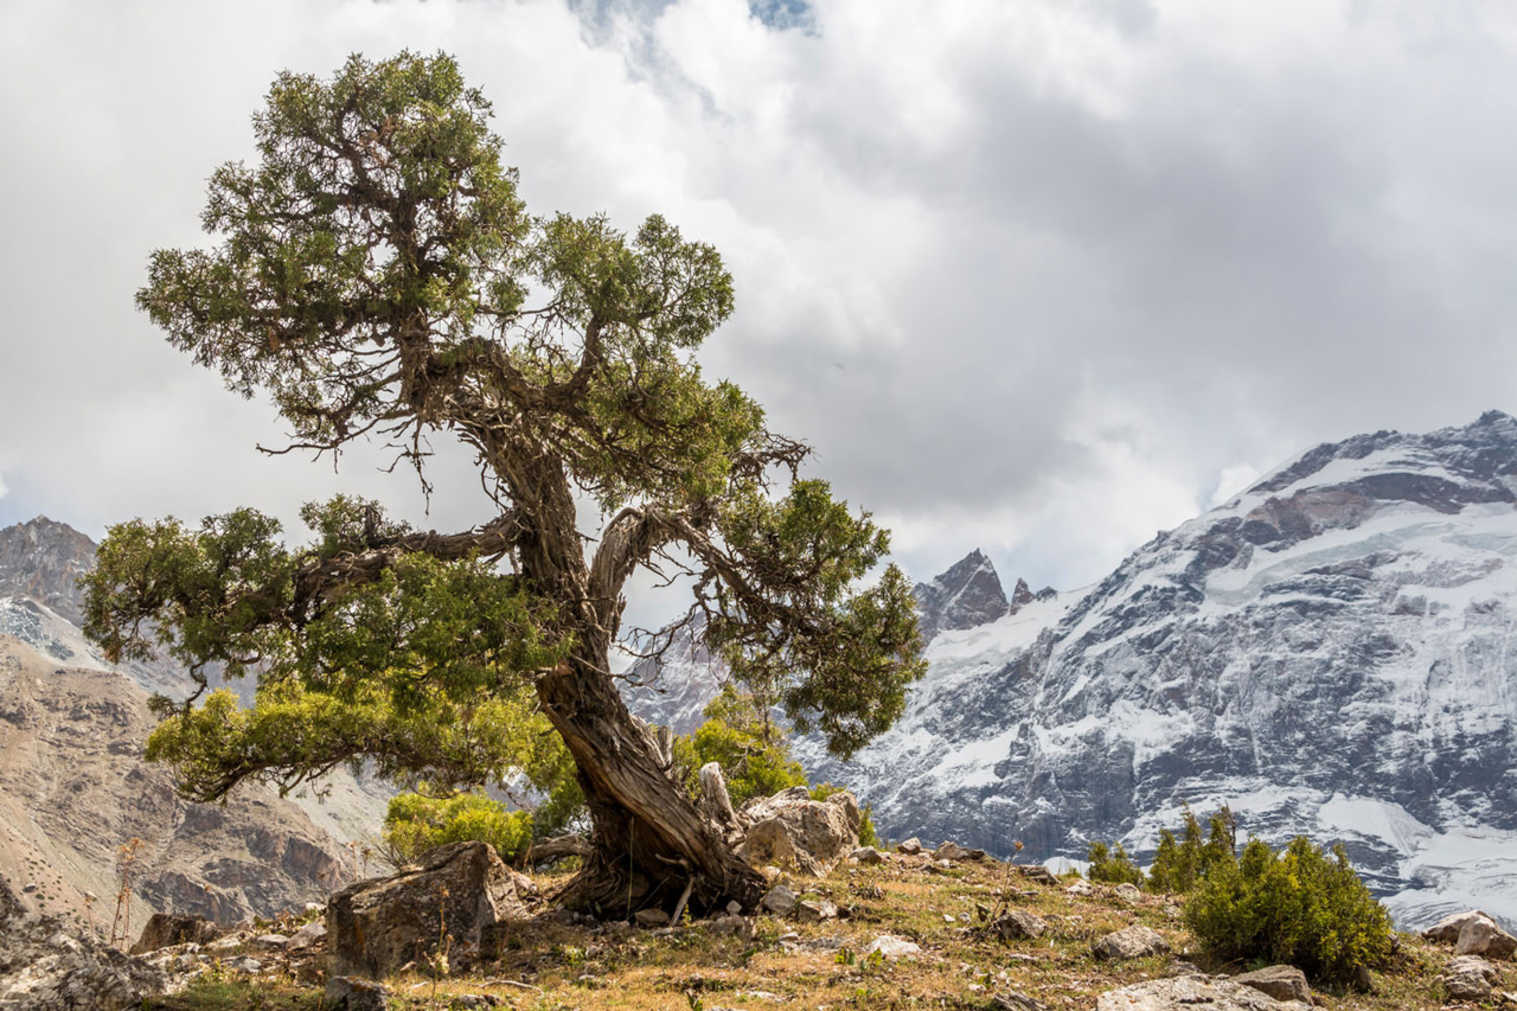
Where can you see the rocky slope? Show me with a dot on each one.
(73, 786)
(1327, 653)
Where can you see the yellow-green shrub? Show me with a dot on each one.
(416, 823)
(1301, 907)
(1112, 864)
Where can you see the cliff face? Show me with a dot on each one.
(74, 788)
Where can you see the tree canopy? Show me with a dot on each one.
(376, 274)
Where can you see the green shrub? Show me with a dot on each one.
(1180, 865)
(416, 823)
(1301, 907)
(1112, 864)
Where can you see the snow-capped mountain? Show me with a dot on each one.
(1328, 653)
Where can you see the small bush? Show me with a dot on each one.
(1180, 865)
(416, 823)
(1112, 865)
(1301, 907)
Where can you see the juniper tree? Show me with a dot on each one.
(376, 274)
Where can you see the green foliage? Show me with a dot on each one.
(1180, 865)
(416, 823)
(374, 272)
(752, 752)
(1300, 907)
(1112, 864)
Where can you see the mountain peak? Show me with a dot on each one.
(43, 559)
(967, 594)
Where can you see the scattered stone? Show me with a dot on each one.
(1481, 936)
(911, 847)
(1037, 872)
(1447, 929)
(251, 966)
(815, 911)
(939, 867)
(1128, 892)
(791, 829)
(347, 993)
(309, 936)
(1136, 941)
(891, 946)
(868, 855)
(736, 926)
(950, 851)
(1282, 982)
(1011, 1000)
(1018, 925)
(163, 930)
(779, 900)
(734, 908)
(652, 917)
(1080, 887)
(1199, 992)
(376, 926)
(278, 941)
(1468, 977)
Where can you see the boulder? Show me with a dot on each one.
(309, 936)
(1080, 887)
(1018, 925)
(950, 851)
(815, 911)
(1012, 1000)
(1447, 929)
(1130, 942)
(347, 993)
(44, 967)
(1481, 936)
(276, 941)
(778, 900)
(891, 946)
(651, 917)
(1282, 982)
(164, 929)
(1193, 993)
(1468, 977)
(1128, 892)
(911, 847)
(867, 855)
(1037, 872)
(791, 829)
(376, 926)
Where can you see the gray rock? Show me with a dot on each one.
(376, 926)
(309, 936)
(1080, 887)
(1011, 1000)
(348, 993)
(1282, 982)
(779, 900)
(1018, 925)
(734, 926)
(1130, 942)
(277, 941)
(651, 918)
(1468, 977)
(1480, 936)
(950, 851)
(1037, 872)
(1128, 892)
(911, 847)
(891, 946)
(165, 929)
(815, 911)
(1193, 993)
(868, 855)
(792, 830)
(1447, 929)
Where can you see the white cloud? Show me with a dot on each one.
(1028, 275)
(1232, 480)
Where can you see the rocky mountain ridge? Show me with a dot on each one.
(1327, 653)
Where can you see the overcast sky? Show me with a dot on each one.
(1039, 277)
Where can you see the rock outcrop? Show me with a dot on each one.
(1193, 993)
(462, 890)
(790, 830)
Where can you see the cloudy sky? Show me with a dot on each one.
(1041, 277)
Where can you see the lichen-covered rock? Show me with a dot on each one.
(867, 855)
(1481, 936)
(815, 911)
(1193, 993)
(165, 929)
(790, 829)
(376, 926)
(1130, 942)
(1447, 929)
(1468, 977)
(46, 967)
(891, 946)
(911, 847)
(345, 993)
(778, 900)
(1282, 982)
(1018, 925)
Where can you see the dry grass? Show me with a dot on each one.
(788, 965)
